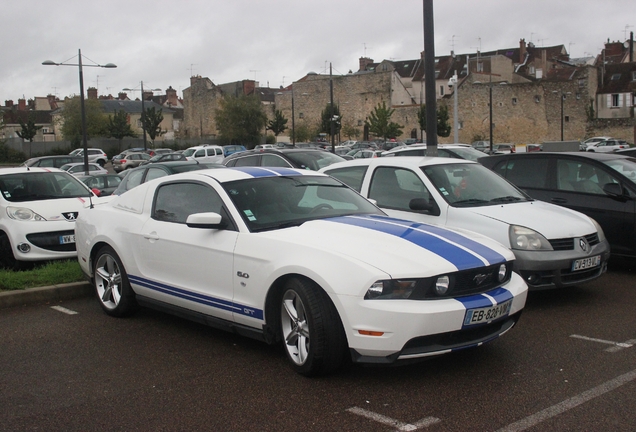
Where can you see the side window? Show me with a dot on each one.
(176, 201)
(526, 172)
(274, 161)
(133, 179)
(588, 178)
(566, 175)
(154, 173)
(394, 188)
(47, 163)
(219, 152)
(199, 153)
(352, 176)
(246, 161)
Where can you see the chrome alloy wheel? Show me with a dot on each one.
(295, 327)
(108, 281)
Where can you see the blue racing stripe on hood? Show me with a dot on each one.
(267, 172)
(470, 255)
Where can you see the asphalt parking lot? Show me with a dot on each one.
(570, 364)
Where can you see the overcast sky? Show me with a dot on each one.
(275, 42)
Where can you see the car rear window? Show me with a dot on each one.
(525, 172)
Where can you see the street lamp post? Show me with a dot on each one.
(143, 111)
(563, 96)
(82, 107)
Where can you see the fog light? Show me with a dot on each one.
(533, 279)
(24, 247)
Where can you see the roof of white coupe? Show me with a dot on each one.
(408, 162)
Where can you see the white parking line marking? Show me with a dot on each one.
(425, 422)
(64, 310)
(568, 404)
(617, 345)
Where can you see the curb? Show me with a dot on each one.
(45, 294)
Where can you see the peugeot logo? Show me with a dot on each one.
(480, 278)
(583, 244)
(70, 216)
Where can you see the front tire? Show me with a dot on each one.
(313, 336)
(112, 287)
(7, 259)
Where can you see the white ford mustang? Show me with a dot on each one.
(295, 256)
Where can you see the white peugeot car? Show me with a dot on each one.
(294, 256)
(554, 246)
(38, 209)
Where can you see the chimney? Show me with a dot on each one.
(91, 93)
(122, 96)
(364, 62)
(522, 50)
(8, 103)
(147, 95)
(22, 105)
(171, 95)
(52, 101)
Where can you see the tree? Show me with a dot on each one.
(240, 120)
(380, 124)
(151, 120)
(71, 120)
(119, 127)
(330, 114)
(29, 129)
(350, 131)
(302, 133)
(443, 125)
(278, 124)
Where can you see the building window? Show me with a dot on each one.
(441, 90)
(633, 75)
(359, 122)
(581, 83)
(616, 77)
(578, 96)
(480, 67)
(616, 101)
(301, 115)
(537, 98)
(514, 101)
(566, 118)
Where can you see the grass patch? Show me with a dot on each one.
(51, 273)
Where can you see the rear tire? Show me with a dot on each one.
(112, 287)
(313, 336)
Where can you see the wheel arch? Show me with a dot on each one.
(272, 331)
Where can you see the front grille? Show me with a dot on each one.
(464, 283)
(568, 243)
(459, 338)
(51, 241)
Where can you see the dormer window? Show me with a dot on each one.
(616, 77)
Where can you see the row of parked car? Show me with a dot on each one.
(298, 253)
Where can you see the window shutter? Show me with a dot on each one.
(609, 100)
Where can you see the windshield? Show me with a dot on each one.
(267, 203)
(472, 185)
(467, 153)
(189, 152)
(313, 160)
(30, 186)
(625, 166)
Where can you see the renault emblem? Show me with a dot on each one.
(583, 244)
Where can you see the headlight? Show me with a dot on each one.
(390, 289)
(601, 234)
(23, 214)
(502, 273)
(526, 239)
(441, 285)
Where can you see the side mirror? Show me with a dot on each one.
(424, 205)
(613, 189)
(205, 220)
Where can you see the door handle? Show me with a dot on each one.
(151, 236)
(559, 200)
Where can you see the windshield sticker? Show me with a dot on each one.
(249, 215)
(443, 191)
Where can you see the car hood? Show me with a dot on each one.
(396, 246)
(550, 220)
